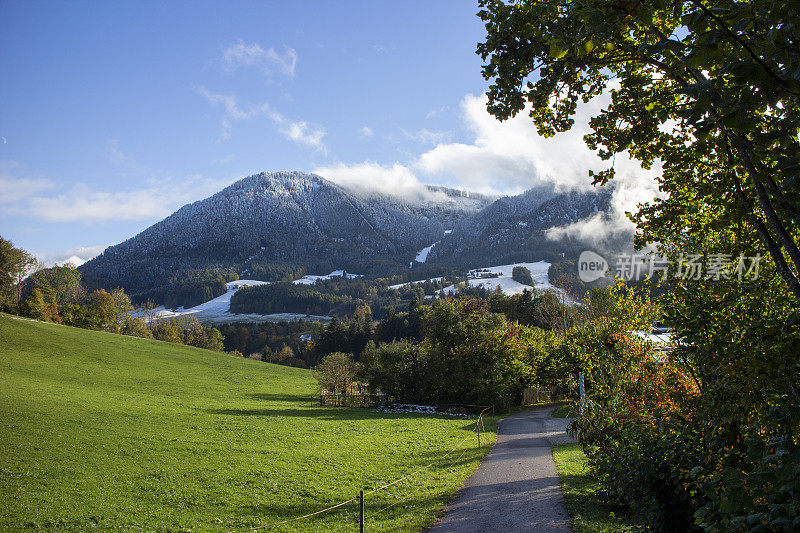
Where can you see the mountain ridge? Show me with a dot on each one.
(281, 225)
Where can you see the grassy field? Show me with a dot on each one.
(588, 513)
(102, 432)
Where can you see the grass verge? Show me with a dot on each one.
(106, 433)
(565, 410)
(581, 493)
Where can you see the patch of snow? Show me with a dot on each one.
(448, 231)
(509, 286)
(400, 285)
(422, 256)
(217, 311)
(310, 279)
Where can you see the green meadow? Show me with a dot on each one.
(100, 432)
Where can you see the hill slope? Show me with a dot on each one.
(106, 433)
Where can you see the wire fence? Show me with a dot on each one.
(479, 428)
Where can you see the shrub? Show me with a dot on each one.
(335, 373)
(520, 274)
(136, 327)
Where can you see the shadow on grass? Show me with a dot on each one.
(286, 398)
(328, 413)
(277, 512)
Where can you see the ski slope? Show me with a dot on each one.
(217, 311)
(508, 286)
(401, 285)
(422, 256)
(310, 279)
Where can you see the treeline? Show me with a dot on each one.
(189, 288)
(469, 350)
(262, 341)
(287, 297)
(57, 295)
(337, 296)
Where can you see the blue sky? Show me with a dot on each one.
(114, 114)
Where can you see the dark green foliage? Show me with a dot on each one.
(564, 275)
(395, 369)
(188, 288)
(341, 336)
(273, 271)
(285, 356)
(520, 274)
(468, 356)
(287, 297)
(268, 336)
(15, 264)
(401, 326)
(473, 356)
(337, 296)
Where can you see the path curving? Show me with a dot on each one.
(516, 487)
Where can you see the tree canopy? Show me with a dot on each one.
(707, 87)
(15, 264)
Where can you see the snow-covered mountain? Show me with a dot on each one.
(512, 229)
(286, 225)
(286, 218)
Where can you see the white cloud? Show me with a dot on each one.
(253, 55)
(75, 256)
(83, 203)
(4, 140)
(369, 177)
(365, 132)
(510, 157)
(298, 131)
(593, 230)
(433, 112)
(14, 190)
(426, 136)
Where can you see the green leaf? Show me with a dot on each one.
(557, 50)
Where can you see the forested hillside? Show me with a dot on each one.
(275, 226)
(512, 229)
(282, 225)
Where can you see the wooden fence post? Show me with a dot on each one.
(361, 518)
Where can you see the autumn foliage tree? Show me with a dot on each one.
(709, 90)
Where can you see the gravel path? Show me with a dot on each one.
(516, 487)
